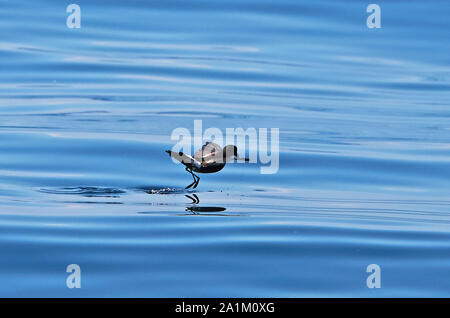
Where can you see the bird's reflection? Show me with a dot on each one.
(196, 210)
(194, 198)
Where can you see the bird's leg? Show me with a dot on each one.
(196, 183)
(193, 176)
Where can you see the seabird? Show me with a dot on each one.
(210, 159)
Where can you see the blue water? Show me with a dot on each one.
(364, 177)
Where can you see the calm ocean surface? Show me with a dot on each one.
(364, 178)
